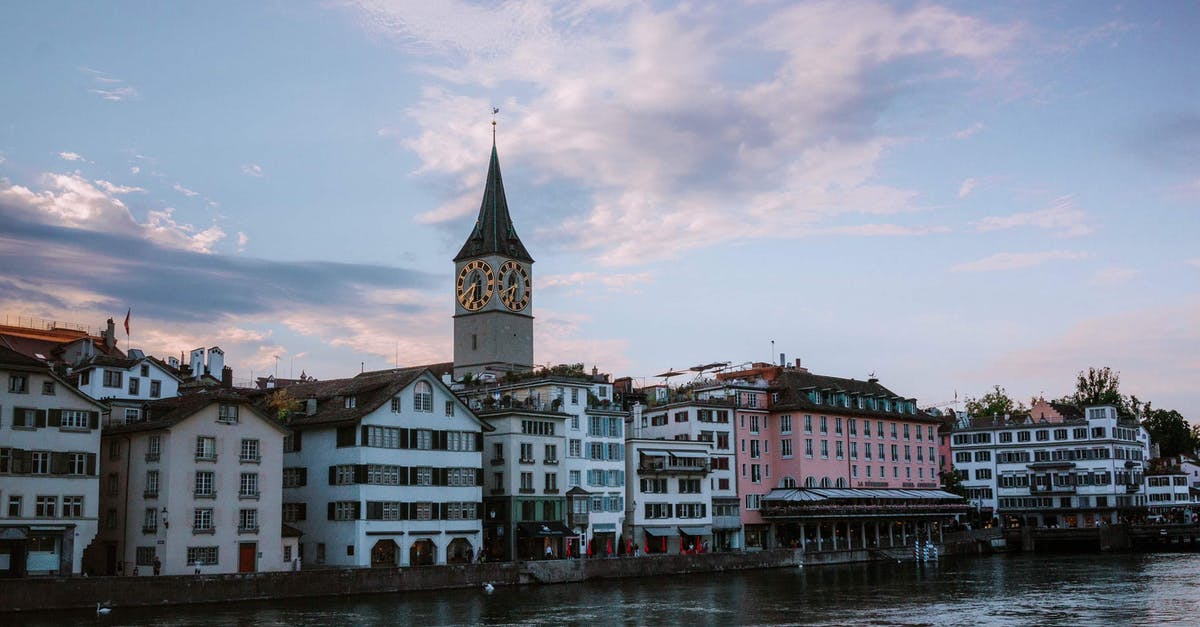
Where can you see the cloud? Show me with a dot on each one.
(71, 201)
(629, 118)
(252, 169)
(117, 94)
(242, 240)
(1112, 276)
(968, 132)
(185, 191)
(108, 87)
(581, 281)
(1016, 261)
(1062, 216)
(134, 169)
(117, 189)
(967, 187)
(1195, 261)
(71, 156)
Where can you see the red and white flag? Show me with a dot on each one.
(127, 320)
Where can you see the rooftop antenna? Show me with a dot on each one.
(495, 110)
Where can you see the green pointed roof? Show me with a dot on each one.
(494, 231)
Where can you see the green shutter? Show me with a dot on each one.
(55, 418)
(40, 421)
(332, 476)
(331, 505)
(91, 465)
(94, 419)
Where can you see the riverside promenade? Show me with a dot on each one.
(65, 593)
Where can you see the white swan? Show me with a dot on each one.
(489, 588)
(101, 610)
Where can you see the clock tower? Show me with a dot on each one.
(493, 289)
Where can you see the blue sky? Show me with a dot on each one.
(949, 195)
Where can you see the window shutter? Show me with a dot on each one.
(412, 475)
(404, 511)
(304, 476)
(91, 464)
(479, 441)
(364, 436)
(357, 510)
(439, 440)
(59, 463)
(331, 506)
(478, 476)
(374, 510)
(301, 511)
(403, 472)
(55, 418)
(439, 476)
(437, 511)
(412, 438)
(296, 439)
(93, 420)
(360, 473)
(332, 476)
(41, 419)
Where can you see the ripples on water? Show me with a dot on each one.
(1099, 590)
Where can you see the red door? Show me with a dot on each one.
(247, 551)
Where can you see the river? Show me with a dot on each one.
(1022, 589)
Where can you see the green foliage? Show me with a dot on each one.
(282, 404)
(1172, 432)
(952, 483)
(996, 402)
(1101, 386)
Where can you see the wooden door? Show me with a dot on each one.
(247, 552)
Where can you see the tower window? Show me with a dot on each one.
(474, 341)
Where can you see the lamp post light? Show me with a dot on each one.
(166, 523)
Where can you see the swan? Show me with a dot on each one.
(101, 610)
(489, 588)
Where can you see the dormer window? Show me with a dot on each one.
(423, 397)
(349, 402)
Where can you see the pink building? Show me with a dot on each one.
(829, 463)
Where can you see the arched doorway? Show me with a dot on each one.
(422, 553)
(384, 553)
(459, 551)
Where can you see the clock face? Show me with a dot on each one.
(475, 285)
(515, 287)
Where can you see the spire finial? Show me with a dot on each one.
(495, 110)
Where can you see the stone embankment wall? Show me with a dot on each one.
(55, 593)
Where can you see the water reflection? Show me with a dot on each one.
(1006, 590)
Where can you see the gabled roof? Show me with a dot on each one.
(11, 358)
(370, 392)
(494, 231)
(168, 412)
(126, 363)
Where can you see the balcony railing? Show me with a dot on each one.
(256, 459)
(551, 462)
(1051, 489)
(669, 467)
(149, 528)
(150, 494)
(577, 520)
(203, 530)
(152, 457)
(204, 494)
(497, 461)
(528, 491)
(206, 457)
(253, 529)
(550, 491)
(248, 495)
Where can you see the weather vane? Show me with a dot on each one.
(495, 110)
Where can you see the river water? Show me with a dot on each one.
(1102, 590)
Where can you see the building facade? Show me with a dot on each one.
(1057, 467)
(669, 496)
(193, 486)
(383, 469)
(49, 489)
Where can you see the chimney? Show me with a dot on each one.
(196, 362)
(216, 360)
(110, 335)
(782, 359)
(226, 377)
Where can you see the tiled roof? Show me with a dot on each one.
(494, 231)
(167, 412)
(793, 385)
(370, 392)
(10, 357)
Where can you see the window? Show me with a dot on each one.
(151, 484)
(206, 448)
(837, 425)
(18, 384)
(77, 464)
(906, 432)
(527, 481)
(449, 408)
(785, 424)
(202, 520)
(824, 424)
(344, 510)
(14, 507)
(227, 413)
(576, 448)
(203, 484)
(247, 520)
(72, 507)
(424, 438)
(155, 389)
(145, 556)
(808, 447)
(825, 449)
(755, 473)
(112, 378)
(132, 415)
(114, 450)
(753, 423)
(551, 454)
(689, 486)
(349, 401)
(250, 452)
(134, 385)
(574, 396)
(295, 512)
(423, 397)
(41, 463)
(202, 555)
(526, 453)
(248, 485)
(295, 477)
(785, 448)
(838, 451)
(552, 481)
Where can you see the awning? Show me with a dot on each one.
(689, 454)
(797, 495)
(660, 532)
(653, 453)
(695, 531)
(550, 529)
(605, 527)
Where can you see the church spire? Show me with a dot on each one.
(494, 231)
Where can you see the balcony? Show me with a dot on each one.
(550, 491)
(497, 461)
(196, 531)
(150, 494)
(152, 457)
(1041, 489)
(577, 520)
(672, 467)
(527, 491)
(207, 457)
(527, 460)
(550, 462)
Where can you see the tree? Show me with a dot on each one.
(952, 483)
(1101, 386)
(1171, 431)
(996, 402)
(282, 404)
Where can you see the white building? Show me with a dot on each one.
(707, 419)
(1056, 467)
(49, 440)
(668, 495)
(193, 485)
(126, 382)
(383, 469)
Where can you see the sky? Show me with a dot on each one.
(949, 195)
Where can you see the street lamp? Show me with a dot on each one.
(166, 523)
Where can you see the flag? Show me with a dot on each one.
(127, 320)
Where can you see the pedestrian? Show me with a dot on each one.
(157, 567)
(549, 552)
